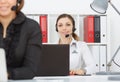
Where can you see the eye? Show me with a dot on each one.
(60, 25)
(68, 24)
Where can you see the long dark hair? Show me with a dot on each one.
(20, 6)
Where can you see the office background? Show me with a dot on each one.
(80, 7)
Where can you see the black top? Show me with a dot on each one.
(22, 46)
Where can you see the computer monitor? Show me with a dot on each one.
(54, 60)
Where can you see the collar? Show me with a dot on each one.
(19, 18)
(73, 41)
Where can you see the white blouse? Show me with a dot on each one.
(81, 57)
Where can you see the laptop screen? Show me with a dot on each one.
(3, 67)
(54, 60)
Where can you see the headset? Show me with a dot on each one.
(14, 8)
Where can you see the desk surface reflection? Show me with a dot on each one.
(93, 78)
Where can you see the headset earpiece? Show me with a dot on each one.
(14, 8)
(74, 29)
(19, 1)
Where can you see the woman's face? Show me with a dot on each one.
(5, 7)
(64, 26)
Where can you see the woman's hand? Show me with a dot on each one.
(78, 72)
(72, 72)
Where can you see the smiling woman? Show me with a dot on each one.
(19, 37)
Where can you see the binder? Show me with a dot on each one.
(89, 29)
(43, 26)
(95, 50)
(103, 28)
(97, 29)
(103, 58)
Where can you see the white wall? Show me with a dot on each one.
(78, 7)
(57, 6)
(115, 31)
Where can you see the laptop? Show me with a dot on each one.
(3, 67)
(54, 60)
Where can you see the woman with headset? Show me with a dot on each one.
(21, 39)
(81, 60)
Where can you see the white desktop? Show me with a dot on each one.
(93, 78)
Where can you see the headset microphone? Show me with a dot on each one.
(67, 35)
(14, 8)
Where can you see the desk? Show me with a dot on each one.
(93, 78)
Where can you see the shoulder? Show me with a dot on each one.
(31, 23)
(22, 20)
(30, 28)
(81, 43)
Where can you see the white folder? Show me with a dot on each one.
(103, 28)
(95, 50)
(103, 58)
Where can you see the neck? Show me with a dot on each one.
(65, 40)
(5, 20)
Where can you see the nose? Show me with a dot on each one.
(64, 27)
